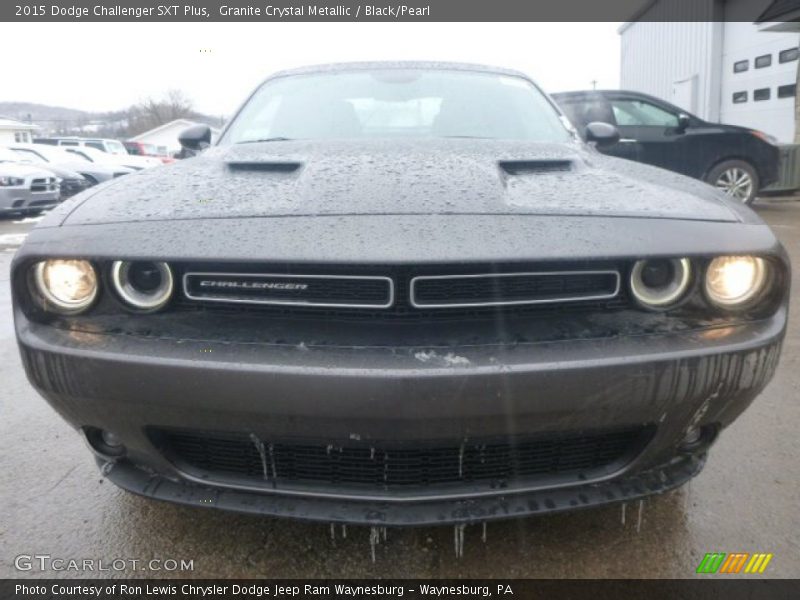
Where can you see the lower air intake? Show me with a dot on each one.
(383, 466)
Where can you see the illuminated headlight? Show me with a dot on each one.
(734, 281)
(144, 285)
(660, 282)
(67, 286)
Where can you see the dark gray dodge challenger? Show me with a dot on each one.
(400, 294)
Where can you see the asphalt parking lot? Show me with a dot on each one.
(54, 501)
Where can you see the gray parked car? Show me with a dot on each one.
(71, 181)
(26, 189)
(50, 155)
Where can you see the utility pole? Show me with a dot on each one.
(594, 84)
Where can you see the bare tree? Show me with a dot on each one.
(152, 112)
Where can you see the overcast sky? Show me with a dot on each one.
(108, 66)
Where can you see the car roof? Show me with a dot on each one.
(403, 64)
(580, 93)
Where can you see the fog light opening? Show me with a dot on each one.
(697, 438)
(105, 444)
(110, 439)
(692, 436)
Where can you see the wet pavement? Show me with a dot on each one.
(54, 501)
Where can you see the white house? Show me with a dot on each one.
(13, 131)
(732, 61)
(166, 135)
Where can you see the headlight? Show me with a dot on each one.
(11, 181)
(68, 285)
(144, 285)
(660, 282)
(733, 281)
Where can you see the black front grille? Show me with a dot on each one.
(513, 288)
(589, 293)
(381, 465)
(43, 185)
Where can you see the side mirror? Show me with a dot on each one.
(603, 134)
(683, 122)
(195, 138)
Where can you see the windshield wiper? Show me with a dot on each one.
(272, 139)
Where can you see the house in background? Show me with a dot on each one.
(13, 131)
(731, 61)
(166, 136)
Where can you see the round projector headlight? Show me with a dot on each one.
(733, 281)
(144, 285)
(67, 285)
(660, 282)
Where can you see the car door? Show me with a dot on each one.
(649, 133)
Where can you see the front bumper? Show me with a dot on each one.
(22, 200)
(670, 383)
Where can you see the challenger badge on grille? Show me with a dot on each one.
(311, 290)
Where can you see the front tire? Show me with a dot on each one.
(736, 179)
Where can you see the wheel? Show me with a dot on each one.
(736, 178)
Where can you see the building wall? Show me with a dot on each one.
(690, 63)
(11, 136)
(744, 41)
(674, 61)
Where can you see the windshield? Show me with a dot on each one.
(7, 155)
(397, 103)
(44, 153)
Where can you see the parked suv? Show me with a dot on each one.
(737, 160)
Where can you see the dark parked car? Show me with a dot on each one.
(737, 160)
(398, 294)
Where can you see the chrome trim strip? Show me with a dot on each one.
(287, 302)
(416, 304)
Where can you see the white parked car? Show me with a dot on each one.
(50, 155)
(103, 144)
(27, 189)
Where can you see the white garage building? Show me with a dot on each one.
(13, 131)
(711, 58)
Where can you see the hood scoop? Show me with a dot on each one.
(281, 167)
(535, 167)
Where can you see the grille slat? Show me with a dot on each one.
(384, 466)
(512, 288)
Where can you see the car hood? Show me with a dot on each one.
(388, 177)
(9, 169)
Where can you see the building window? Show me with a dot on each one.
(739, 97)
(761, 94)
(787, 91)
(788, 55)
(763, 61)
(741, 66)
